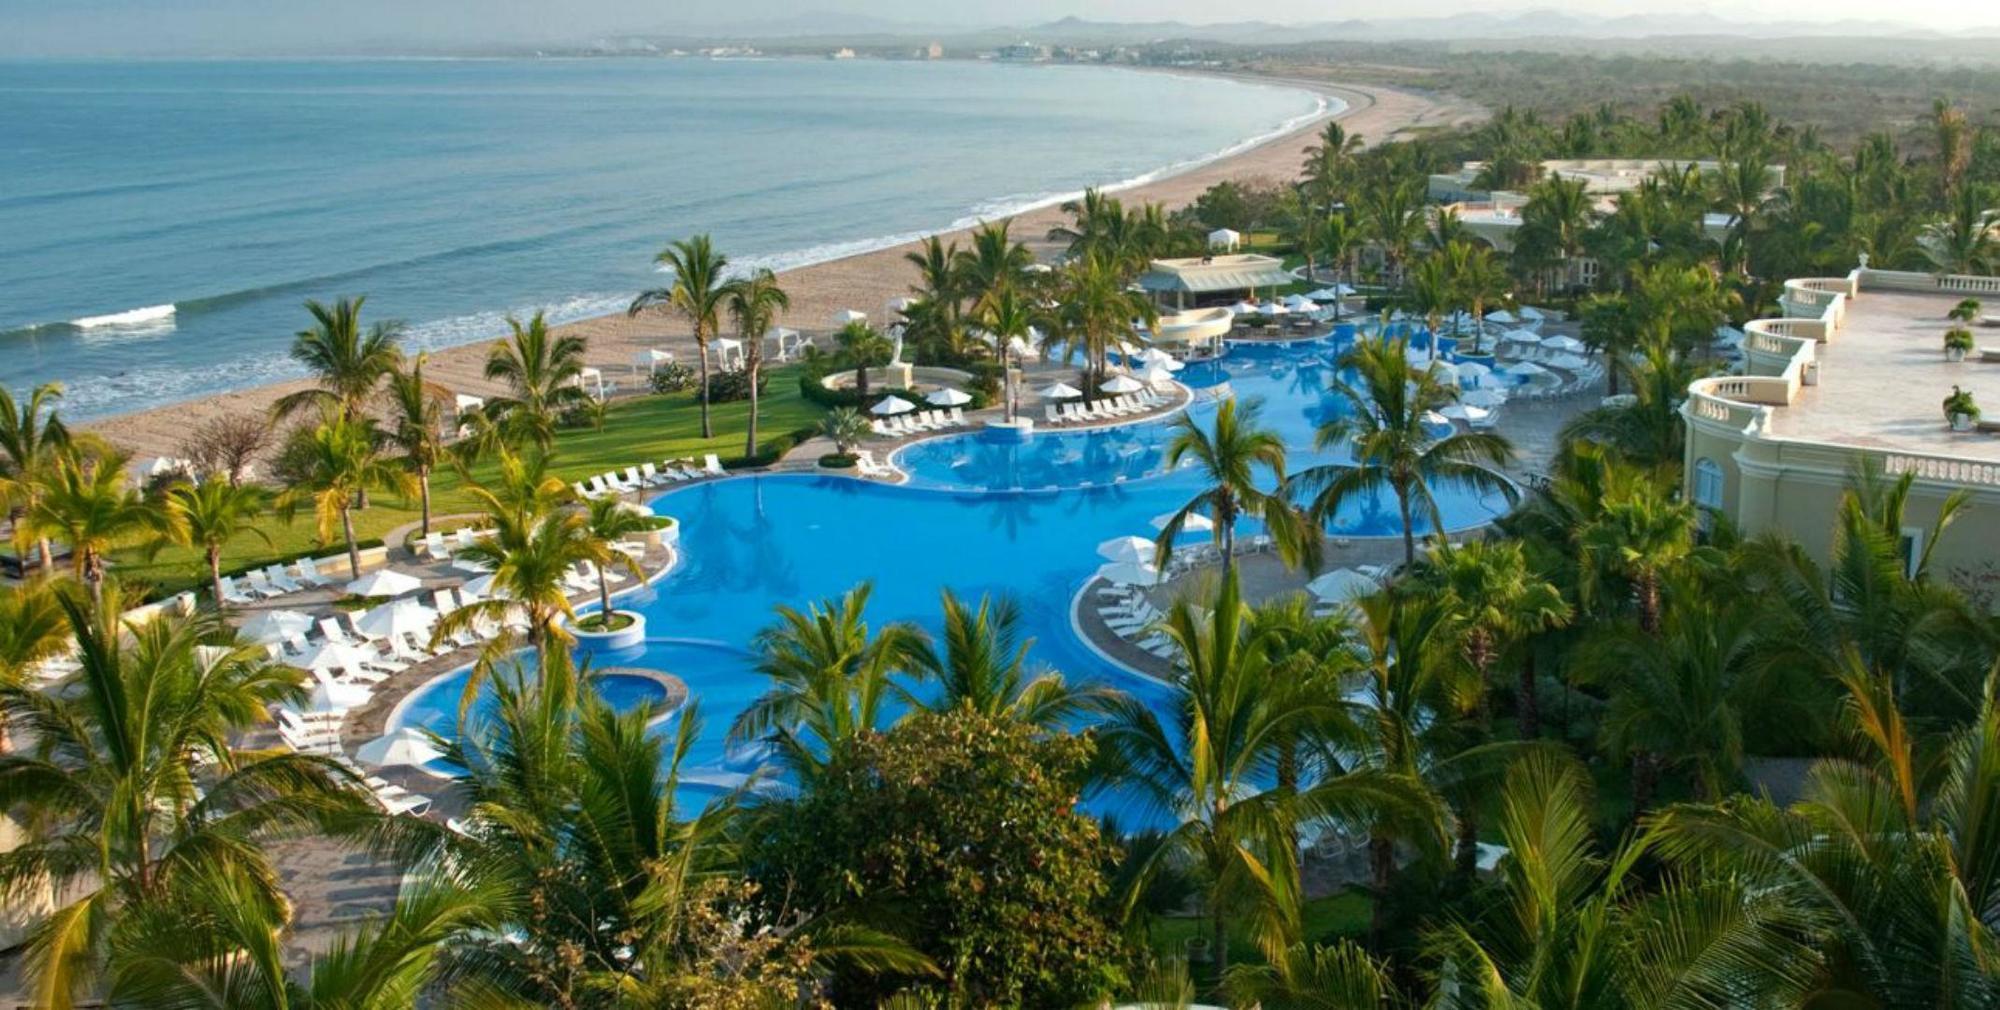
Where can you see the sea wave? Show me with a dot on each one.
(148, 317)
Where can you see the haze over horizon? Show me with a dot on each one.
(214, 27)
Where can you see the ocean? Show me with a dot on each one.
(161, 223)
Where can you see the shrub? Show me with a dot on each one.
(1965, 311)
(1958, 338)
(838, 461)
(772, 450)
(967, 826)
(672, 377)
(724, 387)
(987, 377)
(1960, 402)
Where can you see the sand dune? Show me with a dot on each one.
(863, 282)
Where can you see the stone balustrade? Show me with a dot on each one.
(1943, 469)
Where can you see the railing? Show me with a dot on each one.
(1723, 400)
(1911, 280)
(1945, 469)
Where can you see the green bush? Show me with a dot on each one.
(838, 461)
(1965, 311)
(672, 377)
(734, 384)
(772, 450)
(1958, 338)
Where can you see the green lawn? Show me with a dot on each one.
(635, 431)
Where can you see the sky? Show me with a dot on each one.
(163, 27)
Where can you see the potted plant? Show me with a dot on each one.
(1960, 410)
(1965, 311)
(1957, 343)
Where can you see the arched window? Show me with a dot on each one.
(1708, 483)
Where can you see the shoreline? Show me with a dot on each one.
(863, 280)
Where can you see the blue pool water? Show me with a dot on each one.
(753, 542)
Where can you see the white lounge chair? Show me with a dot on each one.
(713, 465)
(434, 545)
(652, 475)
(635, 478)
(281, 579)
(232, 593)
(958, 417)
(259, 585)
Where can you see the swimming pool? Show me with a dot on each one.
(979, 515)
(434, 706)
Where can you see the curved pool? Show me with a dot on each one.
(979, 515)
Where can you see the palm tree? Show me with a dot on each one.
(832, 678)
(993, 264)
(754, 302)
(135, 796)
(1578, 929)
(698, 293)
(1009, 316)
(1554, 221)
(1314, 977)
(1207, 762)
(31, 630)
(418, 418)
(984, 667)
(1339, 238)
(347, 361)
(1966, 240)
(1231, 454)
(1498, 601)
(88, 504)
(1479, 279)
(535, 541)
(1648, 430)
(1635, 540)
(607, 522)
(863, 347)
(1391, 214)
(1328, 164)
(543, 373)
(1097, 309)
(337, 462)
(1428, 292)
(1888, 851)
(1391, 448)
(844, 427)
(211, 514)
(30, 445)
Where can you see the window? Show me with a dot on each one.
(1707, 483)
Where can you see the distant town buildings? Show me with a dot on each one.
(934, 51)
(1023, 52)
(843, 53)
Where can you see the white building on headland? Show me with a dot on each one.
(1601, 177)
(1853, 374)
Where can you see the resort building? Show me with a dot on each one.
(1601, 177)
(1852, 375)
(1212, 280)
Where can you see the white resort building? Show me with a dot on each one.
(1853, 374)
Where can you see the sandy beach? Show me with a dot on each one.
(864, 282)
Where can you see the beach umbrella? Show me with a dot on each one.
(1464, 412)
(1126, 573)
(273, 625)
(1341, 585)
(1156, 356)
(1196, 522)
(1299, 303)
(1569, 344)
(1473, 372)
(1155, 374)
(1531, 314)
(384, 582)
(1434, 419)
(1019, 347)
(1569, 362)
(891, 405)
(1246, 308)
(1128, 349)
(845, 316)
(331, 656)
(334, 697)
(406, 746)
(1138, 550)
(1061, 391)
(1522, 336)
(1483, 398)
(1502, 316)
(481, 588)
(1122, 384)
(404, 617)
(1524, 370)
(949, 397)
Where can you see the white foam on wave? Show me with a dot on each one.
(150, 316)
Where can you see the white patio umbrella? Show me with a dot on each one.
(1061, 391)
(1246, 308)
(331, 656)
(1138, 550)
(725, 346)
(891, 405)
(949, 397)
(272, 625)
(1122, 384)
(1019, 347)
(1531, 314)
(1569, 362)
(1161, 358)
(1522, 336)
(1196, 522)
(1155, 374)
(384, 582)
(1434, 419)
(1482, 398)
(1465, 412)
(480, 588)
(1128, 349)
(1524, 370)
(1330, 293)
(1569, 344)
(845, 316)
(334, 697)
(1300, 303)
(406, 746)
(1473, 372)
(1126, 573)
(406, 617)
(1502, 316)
(1342, 585)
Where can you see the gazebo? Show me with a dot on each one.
(1212, 279)
(1226, 239)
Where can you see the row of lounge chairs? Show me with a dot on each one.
(645, 475)
(1129, 615)
(1102, 410)
(441, 545)
(274, 580)
(866, 463)
(918, 423)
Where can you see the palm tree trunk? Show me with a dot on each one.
(753, 363)
(861, 379)
(215, 575)
(1381, 867)
(353, 551)
(424, 495)
(1466, 857)
(1409, 529)
(701, 349)
(1527, 708)
(1218, 939)
(1645, 780)
(604, 598)
(1649, 603)
(93, 574)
